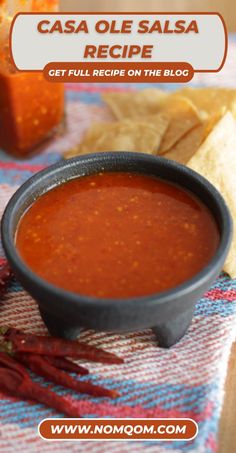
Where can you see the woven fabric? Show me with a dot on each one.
(184, 381)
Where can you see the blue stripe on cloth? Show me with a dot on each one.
(23, 169)
(181, 397)
(94, 97)
(84, 97)
(14, 177)
(15, 287)
(222, 307)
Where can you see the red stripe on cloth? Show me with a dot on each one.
(107, 409)
(211, 443)
(89, 88)
(20, 166)
(216, 294)
(111, 410)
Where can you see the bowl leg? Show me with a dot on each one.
(59, 327)
(170, 332)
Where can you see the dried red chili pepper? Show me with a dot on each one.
(66, 365)
(58, 347)
(8, 362)
(6, 275)
(15, 381)
(59, 362)
(40, 366)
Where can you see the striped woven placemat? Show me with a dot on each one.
(184, 381)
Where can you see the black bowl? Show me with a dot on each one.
(168, 313)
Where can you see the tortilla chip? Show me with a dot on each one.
(187, 145)
(183, 117)
(123, 135)
(216, 161)
(211, 100)
(213, 120)
(135, 104)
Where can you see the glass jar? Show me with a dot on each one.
(31, 108)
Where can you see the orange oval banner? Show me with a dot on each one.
(118, 429)
(118, 72)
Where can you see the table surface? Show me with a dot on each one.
(227, 432)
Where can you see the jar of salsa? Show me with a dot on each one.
(31, 108)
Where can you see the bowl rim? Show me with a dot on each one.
(192, 284)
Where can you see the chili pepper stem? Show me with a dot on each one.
(53, 346)
(6, 346)
(3, 330)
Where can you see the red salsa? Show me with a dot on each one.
(117, 235)
(31, 108)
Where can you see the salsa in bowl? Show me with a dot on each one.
(118, 242)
